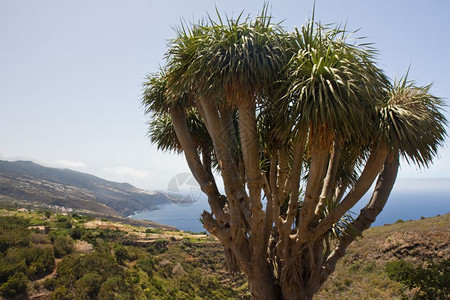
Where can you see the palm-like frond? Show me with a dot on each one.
(183, 52)
(153, 96)
(237, 57)
(343, 227)
(412, 121)
(162, 133)
(352, 160)
(334, 84)
(156, 95)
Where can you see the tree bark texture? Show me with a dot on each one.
(280, 248)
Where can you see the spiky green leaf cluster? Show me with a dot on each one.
(162, 133)
(233, 59)
(412, 121)
(316, 79)
(334, 84)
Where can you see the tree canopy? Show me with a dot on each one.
(299, 125)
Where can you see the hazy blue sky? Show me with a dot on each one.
(71, 73)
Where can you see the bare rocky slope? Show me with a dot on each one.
(25, 180)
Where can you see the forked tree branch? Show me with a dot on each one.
(285, 230)
(234, 189)
(274, 189)
(295, 177)
(330, 178)
(283, 172)
(319, 161)
(250, 152)
(368, 214)
(373, 166)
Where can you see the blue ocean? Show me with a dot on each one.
(410, 199)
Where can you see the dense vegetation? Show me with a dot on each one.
(103, 260)
(108, 263)
(24, 256)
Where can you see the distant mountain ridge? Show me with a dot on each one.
(26, 180)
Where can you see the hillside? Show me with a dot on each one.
(361, 273)
(25, 180)
(148, 263)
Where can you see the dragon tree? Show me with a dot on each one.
(299, 125)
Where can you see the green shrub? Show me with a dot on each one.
(62, 293)
(77, 232)
(153, 230)
(147, 265)
(88, 286)
(135, 252)
(64, 222)
(76, 216)
(111, 288)
(7, 269)
(8, 223)
(90, 236)
(96, 275)
(16, 285)
(35, 270)
(121, 254)
(38, 260)
(62, 245)
(430, 283)
(37, 238)
(13, 233)
(399, 270)
(49, 284)
(120, 288)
